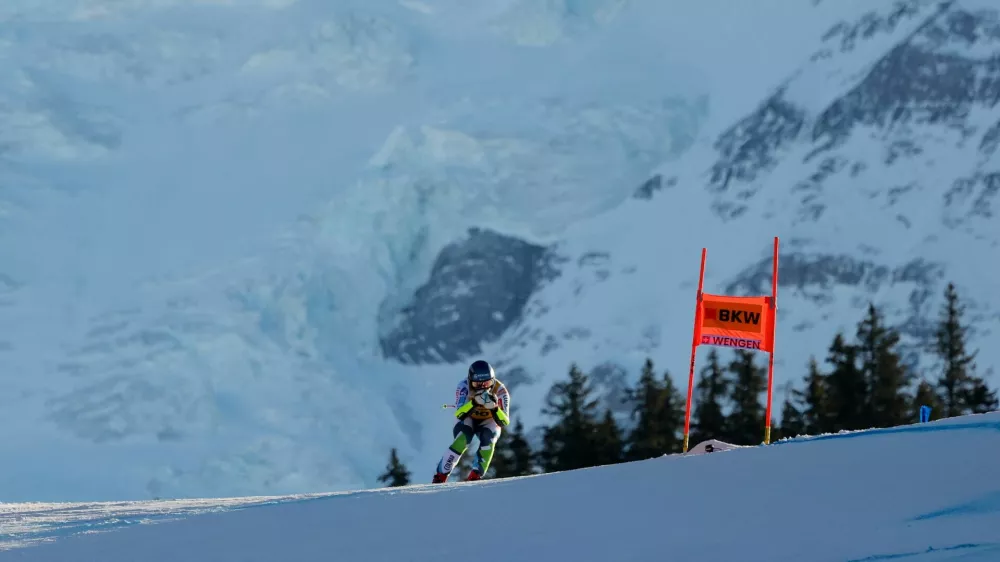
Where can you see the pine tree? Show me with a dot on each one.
(807, 411)
(659, 415)
(608, 443)
(792, 419)
(816, 415)
(513, 456)
(949, 345)
(962, 392)
(981, 399)
(745, 424)
(671, 416)
(569, 442)
(395, 473)
(847, 388)
(645, 397)
(707, 418)
(886, 376)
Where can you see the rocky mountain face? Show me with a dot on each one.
(940, 80)
(930, 96)
(477, 289)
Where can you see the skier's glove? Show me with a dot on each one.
(486, 400)
(463, 411)
(501, 417)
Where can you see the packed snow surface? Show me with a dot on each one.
(919, 493)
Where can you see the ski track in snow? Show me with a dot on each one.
(23, 524)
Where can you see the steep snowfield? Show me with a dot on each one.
(917, 493)
(235, 255)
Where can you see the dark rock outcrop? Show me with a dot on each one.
(478, 288)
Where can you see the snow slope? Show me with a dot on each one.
(235, 255)
(917, 493)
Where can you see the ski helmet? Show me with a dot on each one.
(481, 375)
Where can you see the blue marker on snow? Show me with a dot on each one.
(925, 414)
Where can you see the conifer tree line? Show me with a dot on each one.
(861, 382)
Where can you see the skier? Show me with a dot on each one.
(482, 406)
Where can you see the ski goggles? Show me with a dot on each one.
(480, 385)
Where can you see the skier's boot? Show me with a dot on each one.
(474, 475)
(440, 478)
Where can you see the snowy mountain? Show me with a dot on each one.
(874, 495)
(245, 249)
(874, 161)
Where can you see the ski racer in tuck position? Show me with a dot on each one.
(482, 406)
